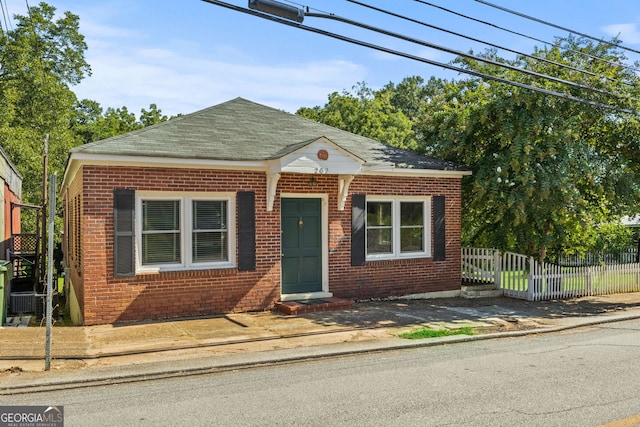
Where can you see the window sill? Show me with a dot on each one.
(396, 261)
(183, 269)
(397, 258)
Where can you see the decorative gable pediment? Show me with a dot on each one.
(319, 156)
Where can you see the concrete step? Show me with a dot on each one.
(479, 287)
(482, 294)
(481, 290)
(313, 305)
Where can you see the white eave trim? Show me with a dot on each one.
(395, 171)
(169, 162)
(272, 168)
(83, 159)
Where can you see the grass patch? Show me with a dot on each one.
(435, 333)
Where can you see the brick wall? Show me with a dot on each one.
(107, 299)
(73, 213)
(378, 279)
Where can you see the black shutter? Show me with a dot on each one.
(439, 235)
(358, 229)
(123, 226)
(246, 231)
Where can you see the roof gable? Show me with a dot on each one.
(320, 156)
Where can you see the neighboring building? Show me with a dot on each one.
(9, 222)
(11, 193)
(238, 206)
(631, 221)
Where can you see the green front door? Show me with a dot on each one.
(301, 246)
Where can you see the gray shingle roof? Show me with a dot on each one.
(242, 130)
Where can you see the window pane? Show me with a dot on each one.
(210, 233)
(379, 228)
(411, 227)
(210, 246)
(379, 240)
(379, 214)
(210, 215)
(411, 239)
(161, 248)
(411, 213)
(160, 215)
(161, 232)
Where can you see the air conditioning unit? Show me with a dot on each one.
(22, 302)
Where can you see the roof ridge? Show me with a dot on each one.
(244, 130)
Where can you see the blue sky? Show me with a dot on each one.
(188, 54)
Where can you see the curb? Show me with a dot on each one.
(149, 372)
(184, 346)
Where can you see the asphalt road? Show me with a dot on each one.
(585, 377)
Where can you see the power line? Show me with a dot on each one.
(555, 26)
(460, 53)
(5, 15)
(597, 58)
(416, 58)
(536, 58)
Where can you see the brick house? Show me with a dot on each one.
(239, 206)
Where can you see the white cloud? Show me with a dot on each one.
(132, 67)
(628, 33)
(135, 63)
(181, 83)
(94, 31)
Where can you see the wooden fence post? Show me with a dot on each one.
(497, 268)
(531, 282)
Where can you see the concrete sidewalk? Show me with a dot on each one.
(164, 348)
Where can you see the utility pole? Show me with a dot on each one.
(52, 214)
(45, 167)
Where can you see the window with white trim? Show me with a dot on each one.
(178, 231)
(398, 228)
(161, 232)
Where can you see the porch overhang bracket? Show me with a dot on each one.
(344, 181)
(272, 186)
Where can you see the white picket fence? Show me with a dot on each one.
(520, 276)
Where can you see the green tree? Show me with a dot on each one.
(613, 238)
(85, 123)
(39, 61)
(545, 169)
(91, 123)
(365, 113)
(152, 116)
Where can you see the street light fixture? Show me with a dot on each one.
(278, 9)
